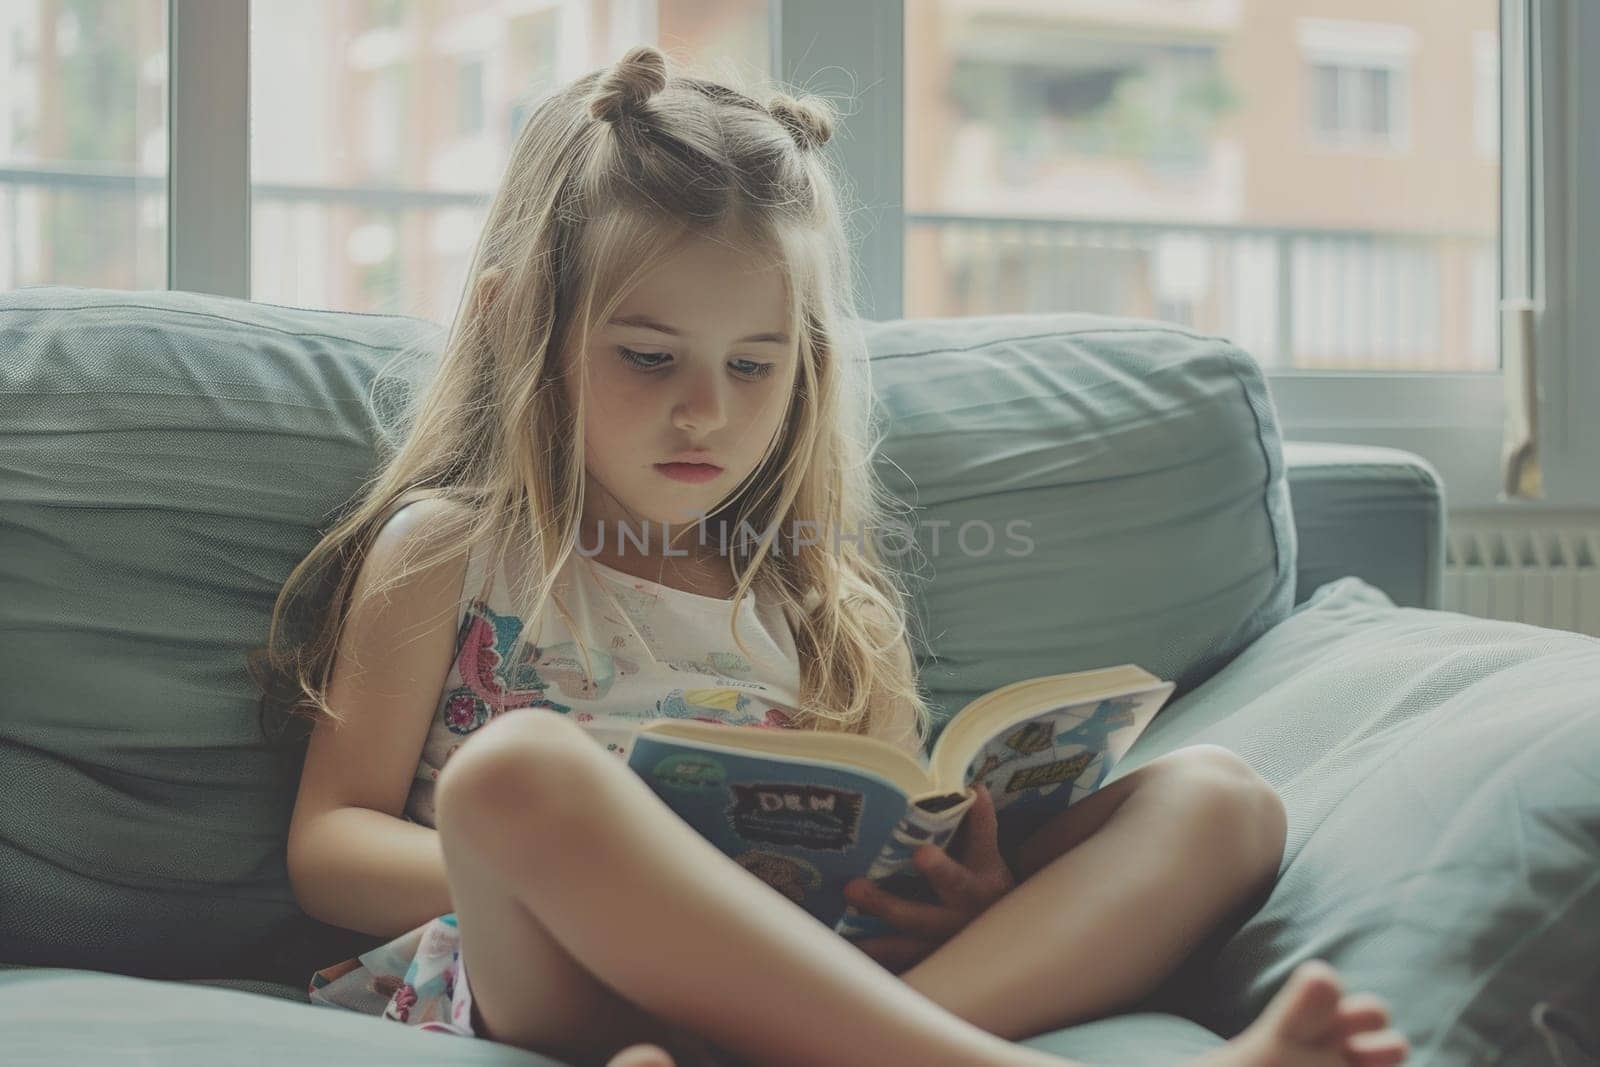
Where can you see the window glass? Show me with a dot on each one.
(380, 128)
(1241, 167)
(83, 143)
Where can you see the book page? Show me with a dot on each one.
(1067, 750)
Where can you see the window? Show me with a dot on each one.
(1145, 158)
(372, 168)
(1142, 160)
(1356, 106)
(1358, 95)
(83, 143)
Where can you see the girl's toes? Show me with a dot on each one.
(1358, 1013)
(1382, 1048)
(641, 1056)
(1307, 1005)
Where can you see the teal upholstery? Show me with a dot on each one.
(164, 462)
(1442, 778)
(67, 1018)
(166, 458)
(1075, 470)
(1377, 513)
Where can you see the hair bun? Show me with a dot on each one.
(633, 79)
(809, 120)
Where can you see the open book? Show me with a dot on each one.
(808, 811)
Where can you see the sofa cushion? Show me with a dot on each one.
(165, 460)
(1442, 778)
(1374, 512)
(1089, 491)
(52, 1016)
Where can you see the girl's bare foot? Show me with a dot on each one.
(683, 1049)
(1309, 1023)
(641, 1056)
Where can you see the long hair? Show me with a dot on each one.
(604, 180)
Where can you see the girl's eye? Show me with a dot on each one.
(651, 360)
(640, 359)
(756, 371)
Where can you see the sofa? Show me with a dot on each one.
(167, 457)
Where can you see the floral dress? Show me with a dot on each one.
(652, 652)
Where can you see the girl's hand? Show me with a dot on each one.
(969, 878)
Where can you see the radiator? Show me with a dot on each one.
(1547, 577)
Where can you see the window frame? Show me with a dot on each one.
(208, 146)
(1455, 421)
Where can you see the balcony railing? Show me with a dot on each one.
(1294, 297)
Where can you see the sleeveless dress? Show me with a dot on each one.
(655, 652)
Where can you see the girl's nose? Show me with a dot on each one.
(701, 407)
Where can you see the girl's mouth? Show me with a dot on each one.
(689, 472)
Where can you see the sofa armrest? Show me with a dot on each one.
(1376, 513)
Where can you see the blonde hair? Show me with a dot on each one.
(604, 180)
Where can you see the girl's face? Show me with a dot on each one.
(711, 385)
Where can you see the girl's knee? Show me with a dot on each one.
(1221, 767)
(527, 761)
(1234, 806)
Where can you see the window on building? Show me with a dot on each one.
(1356, 106)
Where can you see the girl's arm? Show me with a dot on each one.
(367, 870)
(354, 860)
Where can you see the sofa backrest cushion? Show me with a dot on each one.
(166, 458)
(1088, 491)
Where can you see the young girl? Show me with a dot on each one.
(636, 488)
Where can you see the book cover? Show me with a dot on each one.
(804, 827)
(808, 825)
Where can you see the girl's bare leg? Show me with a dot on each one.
(537, 996)
(1133, 877)
(668, 928)
(558, 853)
(1309, 1023)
